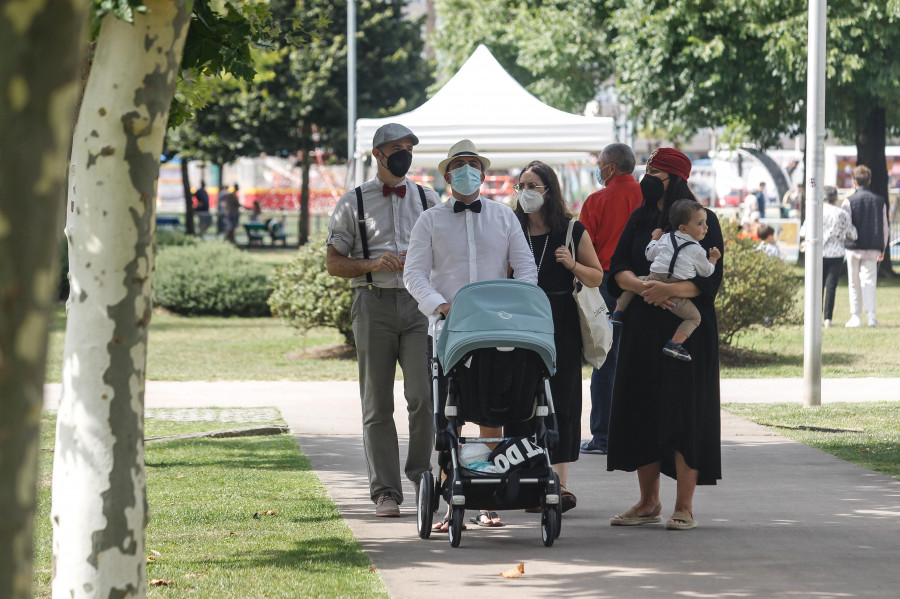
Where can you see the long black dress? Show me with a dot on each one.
(565, 386)
(660, 404)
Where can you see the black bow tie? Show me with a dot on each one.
(460, 206)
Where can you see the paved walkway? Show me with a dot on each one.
(786, 520)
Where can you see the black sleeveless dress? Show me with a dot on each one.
(556, 281)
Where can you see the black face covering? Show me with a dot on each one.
(652, 188)
(398, 163)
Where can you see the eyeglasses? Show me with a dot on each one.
(531, 186)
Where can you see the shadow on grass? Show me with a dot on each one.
(179, 322)
(234, 454)
(322, 554)
(737, 357)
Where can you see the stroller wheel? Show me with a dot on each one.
(550, 521)
(424, 511)
(457, 515)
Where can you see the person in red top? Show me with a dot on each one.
(604, 215)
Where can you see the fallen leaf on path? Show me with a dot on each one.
(514, 572)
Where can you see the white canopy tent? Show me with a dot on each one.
(482, 102)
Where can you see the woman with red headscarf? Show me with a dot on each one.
(665, 413)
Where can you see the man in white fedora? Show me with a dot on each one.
(367, 238)
(468, 238)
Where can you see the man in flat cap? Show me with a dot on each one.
(367, 240)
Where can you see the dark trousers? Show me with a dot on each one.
(603, 378)
(831, 273)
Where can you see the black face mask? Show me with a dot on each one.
(398, 163)
(652, 188)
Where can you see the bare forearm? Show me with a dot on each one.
(347, 268)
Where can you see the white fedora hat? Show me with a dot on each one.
(463, 148)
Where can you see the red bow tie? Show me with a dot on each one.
(400, 190)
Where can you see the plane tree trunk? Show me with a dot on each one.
(99, 510)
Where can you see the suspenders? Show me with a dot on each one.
(675, 246)
(361, 216)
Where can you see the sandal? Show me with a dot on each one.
(443, 525)
(630, 517)
(567, 500)
(487, 519)
(681, 521)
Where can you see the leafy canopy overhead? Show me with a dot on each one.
(693, 64)
(556, 50)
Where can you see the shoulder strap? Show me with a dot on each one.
(361, 219)
(422, 197)
(571, 247)
(678, 249)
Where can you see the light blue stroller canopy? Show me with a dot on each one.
(498, 313)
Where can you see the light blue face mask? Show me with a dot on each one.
(465, 179)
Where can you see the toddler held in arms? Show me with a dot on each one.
(676, 256)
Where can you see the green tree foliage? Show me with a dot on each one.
(758, 289)
(306, 296)
(557, 50)
(298, 99)
(693, 64)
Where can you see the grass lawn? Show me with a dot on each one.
(876, 446)
(263, 349)
(778, 351)
(202, 535)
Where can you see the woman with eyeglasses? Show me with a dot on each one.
(665, 413)
(545, 220)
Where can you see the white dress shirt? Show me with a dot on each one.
(691, 261)
(448, 250)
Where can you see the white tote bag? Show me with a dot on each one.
(596, 330)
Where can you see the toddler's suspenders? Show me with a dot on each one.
(676, 247)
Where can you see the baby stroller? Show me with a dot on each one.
(498, 352)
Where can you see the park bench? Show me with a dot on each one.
(169, 223)
(256, 232)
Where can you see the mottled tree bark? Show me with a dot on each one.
(39, 61)
(99, 510)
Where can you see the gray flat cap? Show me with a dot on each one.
(392, 132)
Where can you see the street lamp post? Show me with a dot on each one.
(351, 89)
(815, 173)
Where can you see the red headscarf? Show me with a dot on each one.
(671, 161)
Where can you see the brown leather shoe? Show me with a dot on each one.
(567, 501)
(387, 506)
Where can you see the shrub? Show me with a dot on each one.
(210, 278)
(757, 289)
(170, 237)
(306, 296)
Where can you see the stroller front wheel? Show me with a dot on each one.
(424, 509)
(550, 521)
(457, 515)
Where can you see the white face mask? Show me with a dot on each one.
(530, 200)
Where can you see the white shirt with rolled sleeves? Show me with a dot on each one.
(389, 222)
(448, 250)
(691, 260)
